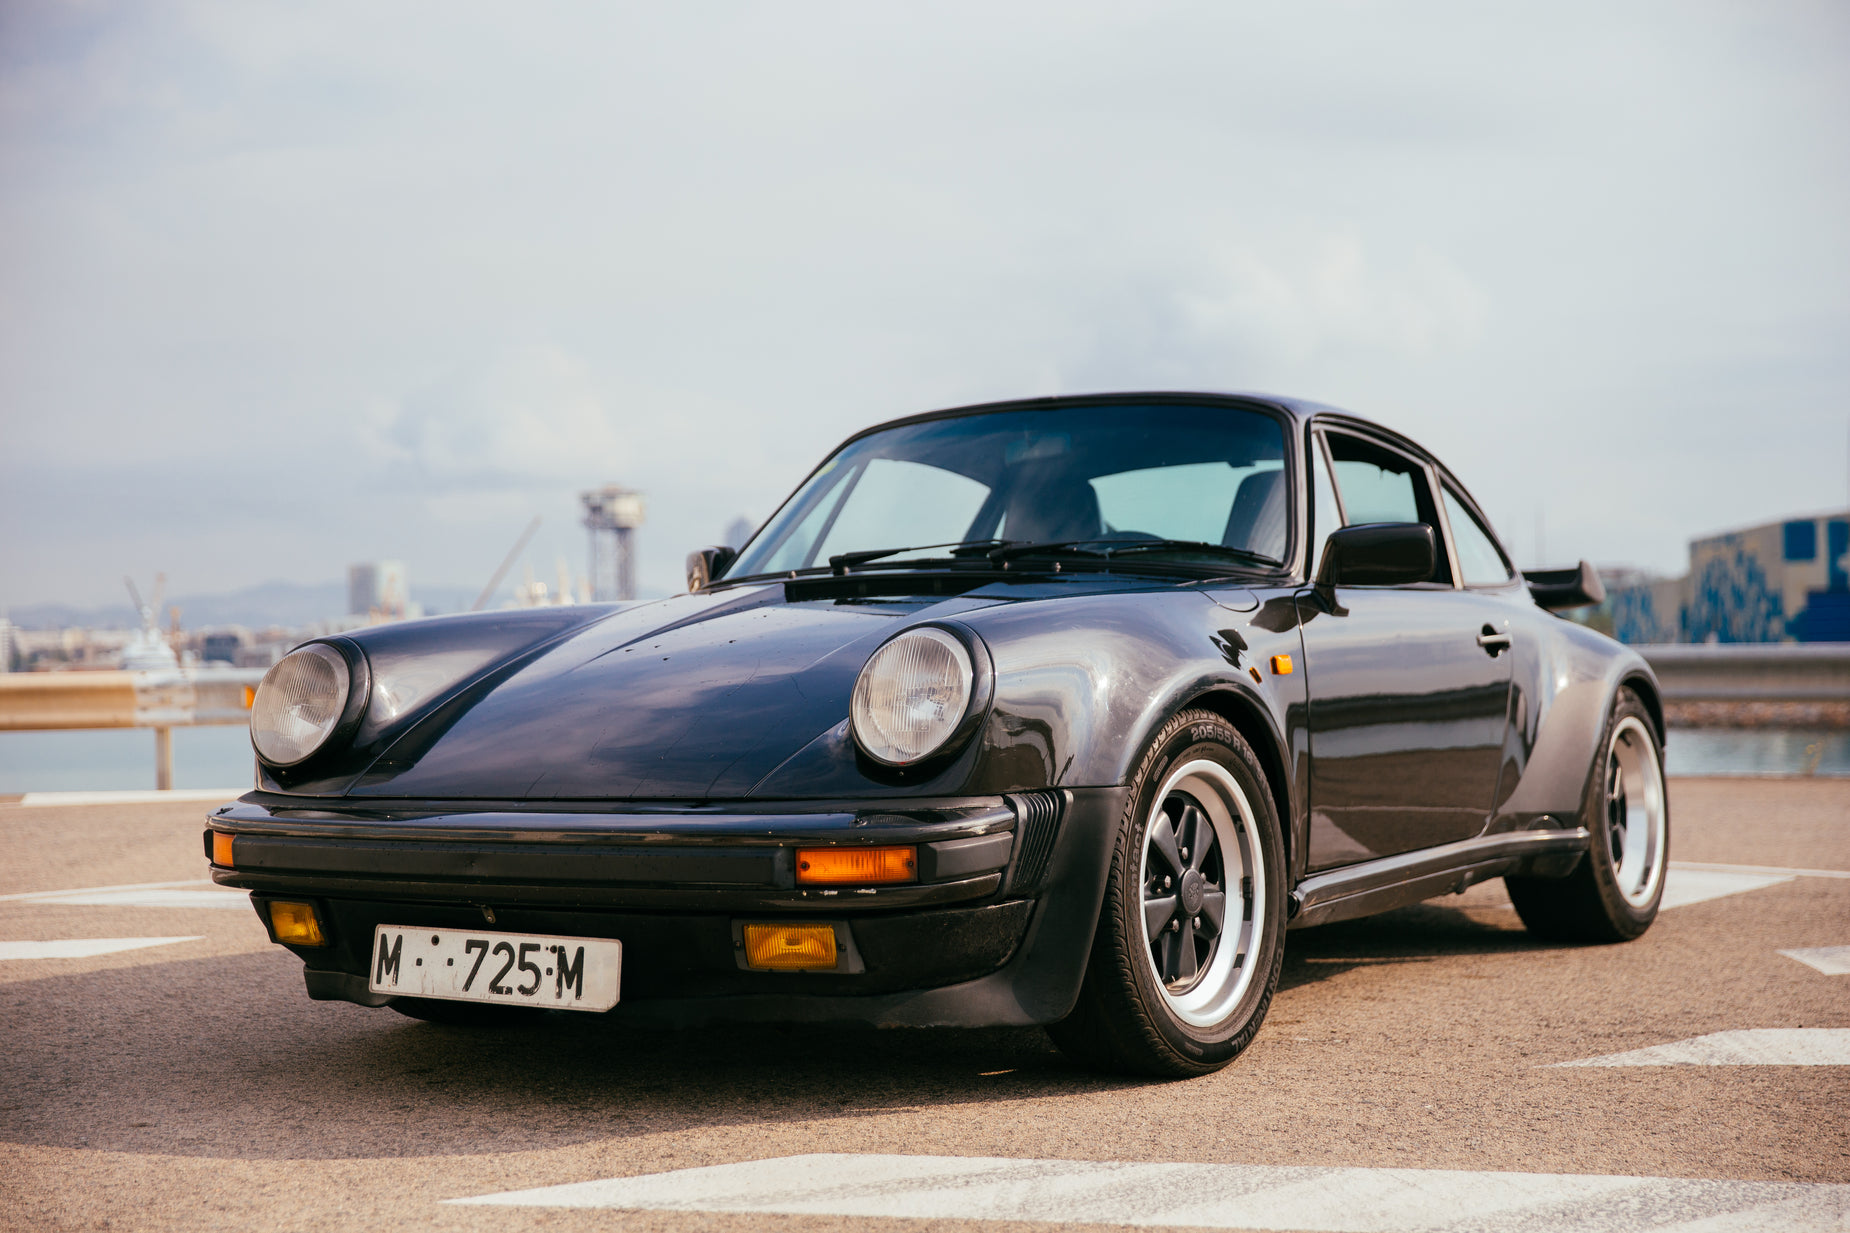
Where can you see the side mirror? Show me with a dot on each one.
(1377, 554)
(706, 564)
(1558, 589)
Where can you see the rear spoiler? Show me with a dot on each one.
(1556, 589)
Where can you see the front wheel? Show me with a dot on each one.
(1613, 893)
(1191, 938)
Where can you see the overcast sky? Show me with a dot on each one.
(288, 286)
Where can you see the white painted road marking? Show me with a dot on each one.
(1754, 1047)
(1205, 1196)
(81, 948)
(1683, 887)
(196, 893)
(1771, 870)
(1687, 884)
(1831, 960)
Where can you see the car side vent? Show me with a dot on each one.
(1037, 822)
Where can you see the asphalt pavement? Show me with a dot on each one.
(1431, 1068)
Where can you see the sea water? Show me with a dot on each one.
(113, 759)
(220, 757)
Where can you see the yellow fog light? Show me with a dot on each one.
(221, 849)
(856, 866)
(789, 948)
(295, 923)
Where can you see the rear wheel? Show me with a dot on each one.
(1613, 893)
(1191, 937)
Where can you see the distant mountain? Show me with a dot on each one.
(290, 604)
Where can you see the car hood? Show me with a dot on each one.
(695, 697)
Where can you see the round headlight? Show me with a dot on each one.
(299, 704)
(911, 696)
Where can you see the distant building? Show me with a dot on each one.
(6, 645)
(612, 514)
(378, 590)
(221, 645)
(1778, 582)
(738, 531)
(262, 654)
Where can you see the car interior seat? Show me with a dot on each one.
(1048, 505)
(1257, 520)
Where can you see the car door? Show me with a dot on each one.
(1408, 685)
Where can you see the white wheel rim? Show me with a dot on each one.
(1175, 918)
(1634, 813)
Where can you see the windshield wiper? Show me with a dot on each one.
(1008, 550)
(999, 551)
(842, 562)
(1194, 545)
(1109, 548)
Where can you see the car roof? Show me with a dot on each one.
(1299, 410)
(1296, 408)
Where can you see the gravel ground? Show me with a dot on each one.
(194, 1085)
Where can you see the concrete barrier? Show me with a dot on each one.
(1752, 672)
(38, 701)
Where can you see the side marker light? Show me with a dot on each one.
(789, 948)
(295, 923)
(1281, 665)
(221, 849)
(856, 866)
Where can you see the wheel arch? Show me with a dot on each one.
(1648, 693)
(1252, 723)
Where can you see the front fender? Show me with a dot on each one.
(1080, 686)
(1081, 683)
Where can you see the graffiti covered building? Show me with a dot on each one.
(1780, 582)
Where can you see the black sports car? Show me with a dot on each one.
(1050, 712)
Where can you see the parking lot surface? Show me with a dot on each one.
(1432, 1068)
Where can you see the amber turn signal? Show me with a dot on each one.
(1281, 665)
(221, 849)
(856, 866)
(789, 948)
(295, 923)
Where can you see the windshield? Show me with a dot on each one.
(1105, 477)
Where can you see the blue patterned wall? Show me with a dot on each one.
(1734, 601)
(1775, 582)
(1636, 616)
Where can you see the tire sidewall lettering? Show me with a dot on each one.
(1220, 742)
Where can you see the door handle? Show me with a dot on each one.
(1494, 643)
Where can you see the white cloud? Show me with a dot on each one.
(441, 274)
(530, 417)
(1297, 301)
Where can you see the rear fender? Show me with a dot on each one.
(1562, 692)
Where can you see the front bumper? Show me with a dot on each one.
(996, 931)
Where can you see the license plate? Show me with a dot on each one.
(515, 969)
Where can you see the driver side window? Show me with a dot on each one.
(1378, 484)
(1325, 514)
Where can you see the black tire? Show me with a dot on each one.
(1186, 999)
(1604, 899)
(465, 1014)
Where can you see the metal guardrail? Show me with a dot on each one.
(1751, 672)
(161, 700)
(186, 697)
